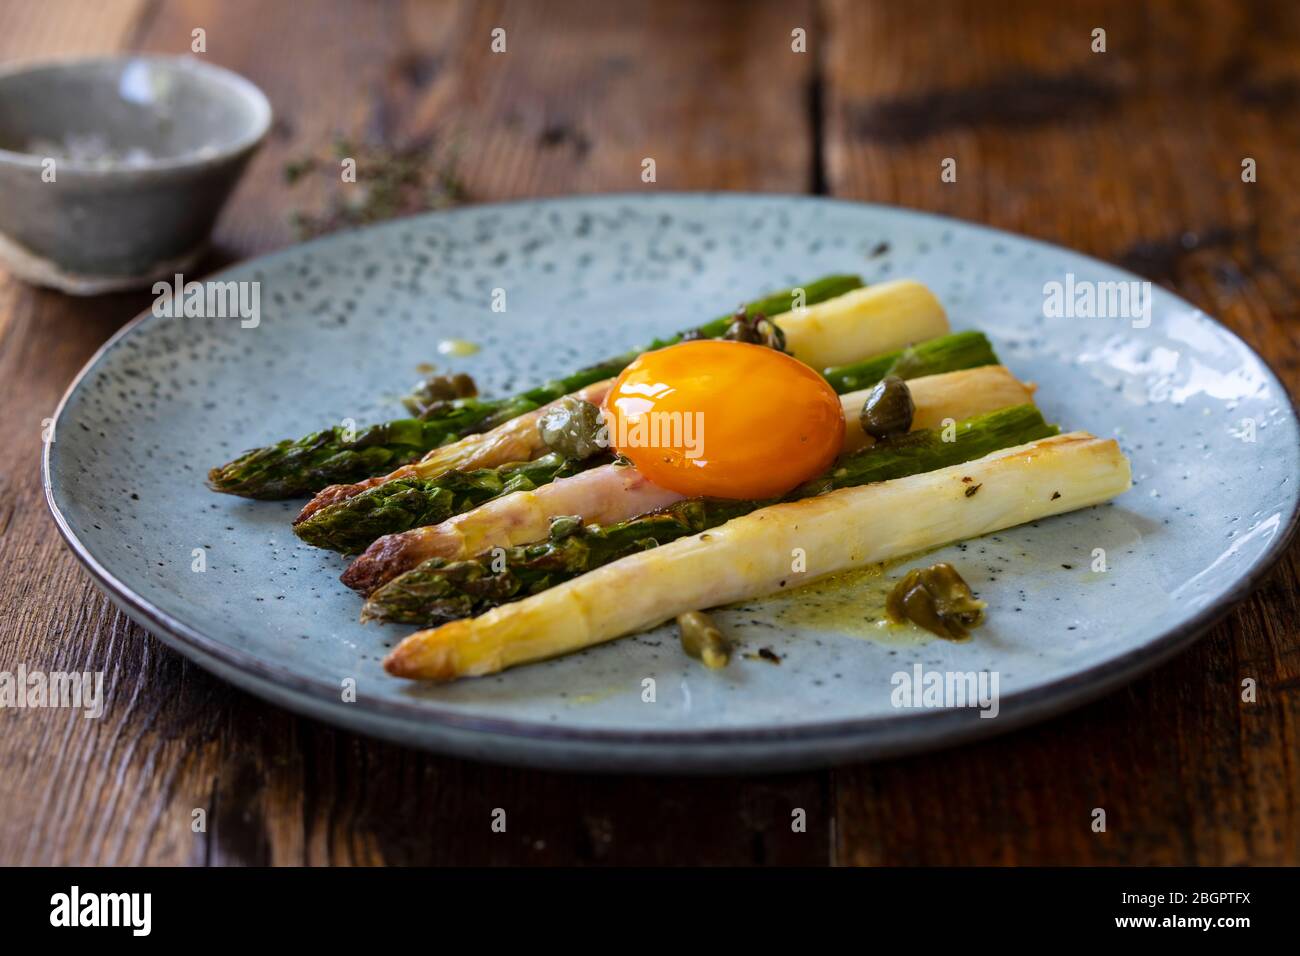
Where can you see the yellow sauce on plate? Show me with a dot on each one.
(459, 347)
(851, 602)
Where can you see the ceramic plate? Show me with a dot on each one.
(346, 320)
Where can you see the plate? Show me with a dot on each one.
(1079, 603)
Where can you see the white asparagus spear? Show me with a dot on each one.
(750, 556)
(613, 493)
(864, 322)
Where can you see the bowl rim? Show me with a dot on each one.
(240, 85)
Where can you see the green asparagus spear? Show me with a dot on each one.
(403, 503)
(290, 468)
(293, 468)
(948, 353)
(437, 590)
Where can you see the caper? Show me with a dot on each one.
(574, 428)
(937, 599)
(437, 389)
(755, 329)
(702, 640)
(888, 409)
(565, 526)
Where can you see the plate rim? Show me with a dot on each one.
(1019, 708)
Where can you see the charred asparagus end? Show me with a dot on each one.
(386, 557)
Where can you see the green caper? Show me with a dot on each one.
(565, 526)
(888, 409)
(937, 599)
(702, 640)
(437, 389)
(755, 329)
(574, 428)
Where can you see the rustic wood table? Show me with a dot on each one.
(1133, 155)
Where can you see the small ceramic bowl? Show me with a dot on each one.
(113, 170)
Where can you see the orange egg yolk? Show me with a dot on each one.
(724, 419)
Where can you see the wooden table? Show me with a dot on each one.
(1133, 155)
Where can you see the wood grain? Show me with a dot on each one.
(1132, 155)
(59, 28)
(276, 788)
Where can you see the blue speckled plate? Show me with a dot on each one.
(346, 320)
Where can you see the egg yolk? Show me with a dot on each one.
(724, 419)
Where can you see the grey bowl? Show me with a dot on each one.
(113, 170)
